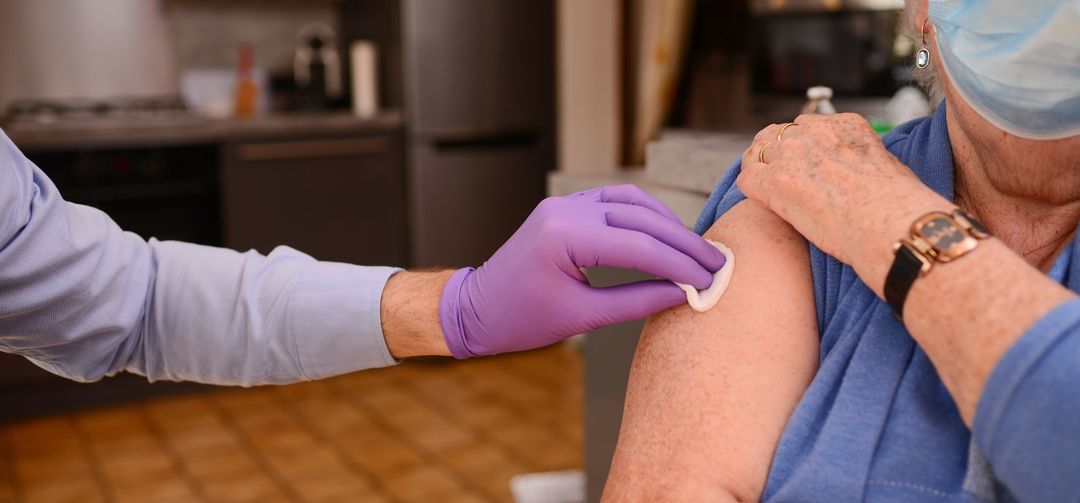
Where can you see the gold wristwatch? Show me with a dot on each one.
(934, 237)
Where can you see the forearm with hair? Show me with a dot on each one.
(410, 313)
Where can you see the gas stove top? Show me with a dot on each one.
(124, 113)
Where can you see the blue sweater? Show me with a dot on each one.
(877, 424)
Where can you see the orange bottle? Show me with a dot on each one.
(247, 93)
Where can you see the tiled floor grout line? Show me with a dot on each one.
(515, 411)
(245, 442)
(426, 455)
(175, 457)
(550, 386)
(9, 454)
(542, 380)
(339, 453)
(91, 458)
(476, 430)
(507, 396)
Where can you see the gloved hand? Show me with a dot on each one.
(532, 293)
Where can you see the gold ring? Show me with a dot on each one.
(783, 127)
(761, 152)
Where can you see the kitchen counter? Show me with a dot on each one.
(191, 129)
(681, 170)
(691, 160)
(685, 204)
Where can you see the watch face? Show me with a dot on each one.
(946, 238)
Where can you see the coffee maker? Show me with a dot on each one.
(317, 67)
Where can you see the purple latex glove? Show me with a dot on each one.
(532, 293)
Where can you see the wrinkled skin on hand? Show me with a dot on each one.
(833, 180)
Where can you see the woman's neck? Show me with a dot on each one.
(1027, 193)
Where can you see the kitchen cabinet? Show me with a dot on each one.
(339, 198)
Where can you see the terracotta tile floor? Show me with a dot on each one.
(422, 431)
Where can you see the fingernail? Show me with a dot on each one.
(703, 282)
(721, 259)
(717, 261)
(671, 298)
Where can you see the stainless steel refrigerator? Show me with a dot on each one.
(476, 79)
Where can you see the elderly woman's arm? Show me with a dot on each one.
(710, 393)
(1004, 338)
(1006, 341)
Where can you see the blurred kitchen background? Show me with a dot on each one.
(416, 133)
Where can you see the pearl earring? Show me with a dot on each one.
(922, 58)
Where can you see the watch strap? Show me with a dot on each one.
(916, 254)
(973, 227)
(906, 268)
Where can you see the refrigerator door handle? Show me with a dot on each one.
(484, 139)
(313, 149)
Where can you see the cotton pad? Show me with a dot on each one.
(704, 300)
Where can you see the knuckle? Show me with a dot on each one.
(548, 204)
(740, 181)
(749, 181)
(852, 118)
(761, 135)
(552, 227)
(633, 190)
(612, 191)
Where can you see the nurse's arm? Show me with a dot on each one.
(84, 299)
(410, 313)
(710, 393)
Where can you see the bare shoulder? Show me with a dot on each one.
(710, 393)
(749, 221)
(772, 269)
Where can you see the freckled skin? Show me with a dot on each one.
(710, 393)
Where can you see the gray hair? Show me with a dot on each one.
(926, 77)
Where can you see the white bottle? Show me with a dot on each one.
(365, 78)
(819, 101)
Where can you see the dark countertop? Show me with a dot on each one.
(187, 130)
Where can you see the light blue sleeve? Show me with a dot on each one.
(1028, 419)
(84, 299)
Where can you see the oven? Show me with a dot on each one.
(169, 193)
(152, 187)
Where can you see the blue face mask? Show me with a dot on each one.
(1016, 62)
